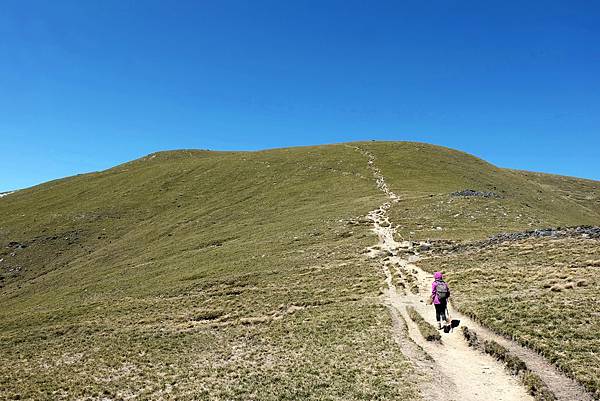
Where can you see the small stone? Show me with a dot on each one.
(424, 246)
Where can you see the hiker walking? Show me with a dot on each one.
(440, 292)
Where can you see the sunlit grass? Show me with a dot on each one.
(541, 292)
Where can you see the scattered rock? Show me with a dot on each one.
(584, 231)
(587, 232)
(16, 245)
(364, 220)
(13, 269)
(473, 193)
(424, 246)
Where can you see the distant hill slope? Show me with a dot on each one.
(426, 177)
(249, 261)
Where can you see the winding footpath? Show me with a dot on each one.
(450, 370)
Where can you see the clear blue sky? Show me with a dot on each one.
(85, 85)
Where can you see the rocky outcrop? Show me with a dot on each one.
(465, 193)
(589, 232)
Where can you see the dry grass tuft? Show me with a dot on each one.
(428, 332)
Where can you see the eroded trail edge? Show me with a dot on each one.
(449, 369)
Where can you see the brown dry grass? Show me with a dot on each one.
(541, 292)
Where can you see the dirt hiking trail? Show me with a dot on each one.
(450, 369)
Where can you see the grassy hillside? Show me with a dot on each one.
(236, 275)
(426, 176)
(543, 292)
(196, 275)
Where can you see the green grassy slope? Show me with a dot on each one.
(196, 275)
(235, 275)
(425, 176)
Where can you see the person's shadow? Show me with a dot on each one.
(450, 327)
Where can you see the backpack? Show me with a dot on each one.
(441, 290)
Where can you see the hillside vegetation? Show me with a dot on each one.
(425, 177)
(543, 292)
(237, 275)
(197, 275)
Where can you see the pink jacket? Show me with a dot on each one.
(438, 277)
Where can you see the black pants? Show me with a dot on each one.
(440, 310)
